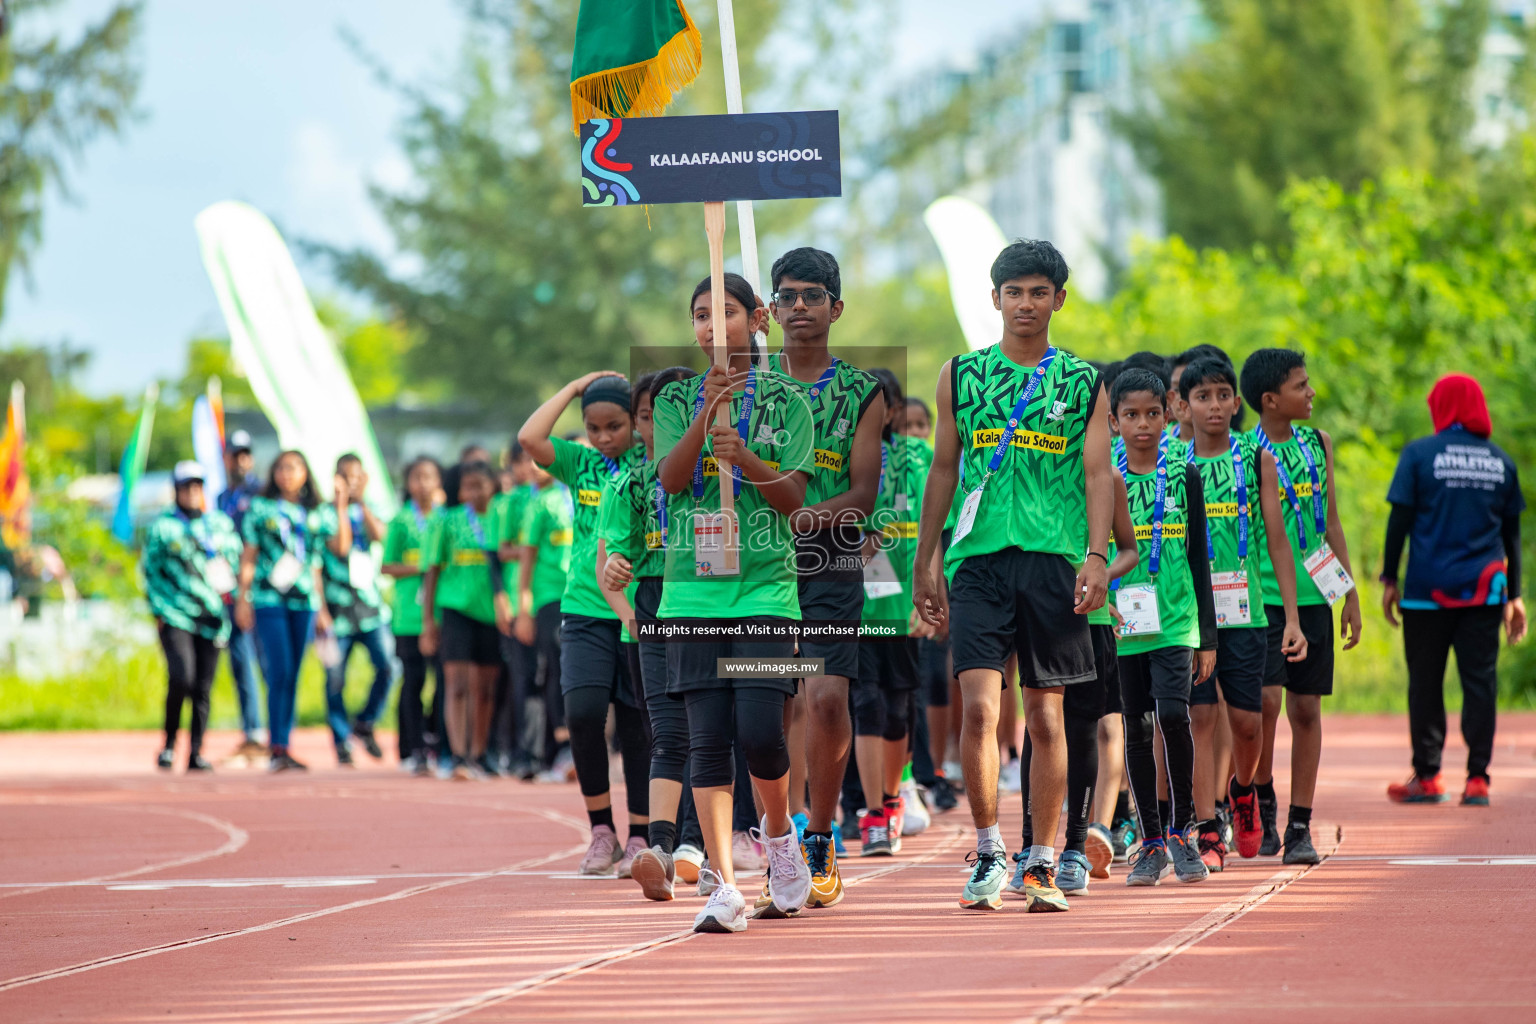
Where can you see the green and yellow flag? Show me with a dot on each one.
(632, 57)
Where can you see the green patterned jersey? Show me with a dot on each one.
(276, 527)
(628, 523)
(175, 563)
(1037, 499)
(508, 510)
(898, 509)
(1295, 463)
(457, 545)
(1178, 609)
(780, 432)
(837, 410)
(546, 527)
(1218, 477)
(354, 609)
(585, 471)
(404, 542)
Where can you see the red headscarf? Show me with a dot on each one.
(1457, 398)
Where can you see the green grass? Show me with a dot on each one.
(128, 692)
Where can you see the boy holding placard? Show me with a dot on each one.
(1274, 381)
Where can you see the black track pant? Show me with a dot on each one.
(1178, 754)
(586, 715)
(190, 662)
(1428, 638)
(758, 728)
(1082, 773)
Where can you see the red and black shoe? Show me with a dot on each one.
(1213, 851)
(1418, 790)
(1476, 793)
(1247, 828)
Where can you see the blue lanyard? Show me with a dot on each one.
(1018, 412)
(421, 520)
(204, 541)
(1118, 447)
(1319, 506)
(660, 499)
(1159, 504)
(359, 534)
(287, 529)
(885, 451)
(475, 526)
(748, 400)
(1240, 484)
(1123, 464)
(825, 379)
(613, 467)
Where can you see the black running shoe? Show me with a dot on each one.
(488, 765)
(199, 763)
(943, 794)
(167, 759)
(1298, 846)
(344, 757)
(364, 732)
(282, 761)
(1271, 844)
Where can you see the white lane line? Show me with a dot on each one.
(1133, 967)
(235, 838)
(140, 954)
(503, 993)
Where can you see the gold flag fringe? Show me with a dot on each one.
(644, 89)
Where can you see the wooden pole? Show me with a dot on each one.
(732, 65)
(714, 229)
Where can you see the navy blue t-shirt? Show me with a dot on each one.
(1461, 488)
(236, 501)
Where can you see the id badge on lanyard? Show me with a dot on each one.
(712, 533)
(880, 579)
(1332, 579)
(1231, 598)
(1138, 610)
(289, 566)
(972, 504)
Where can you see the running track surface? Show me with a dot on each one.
(128, 896)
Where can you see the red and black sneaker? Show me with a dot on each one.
(1213, 852)
(1247, 828)
(1476, 793)
(1421, 791)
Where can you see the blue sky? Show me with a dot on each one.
(263, 102)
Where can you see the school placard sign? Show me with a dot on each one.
(712, 158)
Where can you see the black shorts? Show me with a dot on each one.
(1020, 600)
(1313, 675)
(933, 670)
(889, 664)
(1101, 696)
(591, 655)
(692, 664)
(1241, 658)
(467, 639)
(1146, 678)
(830, 599)
(653, 653)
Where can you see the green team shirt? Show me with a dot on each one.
(585, 471)
(628, 523)
(1218, 478)
(354, 610)
(1294, 462)
(175, 562)
(508, 510)
(404, 542)
(1037, 499)
(898, 508)
(782, 433)
(837, 410)
(546, 528)
(1177, 608)
(303, 537)
(457, 548)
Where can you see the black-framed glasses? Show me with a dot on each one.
(787, 297)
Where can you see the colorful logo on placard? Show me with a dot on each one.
(598, 161)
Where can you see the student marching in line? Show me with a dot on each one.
(358, 612)
(543, 545)
(1233, 470)
(404, 542)
(281, 594)
(189, 563)
(849, 412)
(1025, 423)
(1168, 626)
(594, 669)
(1274, 382)
(633, 531)
(459, 603)
(509, 732)
(768, 455)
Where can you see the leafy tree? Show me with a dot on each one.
(56, 96)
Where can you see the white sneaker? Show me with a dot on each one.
(746, 854)
(686, 861)
(725, 912)
(789, 877)
(1008, 779)
(708, 880)
(916, 817)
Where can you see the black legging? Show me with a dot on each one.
(586, 716)
(1178, 755)
(190, 662)
(759, 729)
(413, 683)
(1082, 773)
